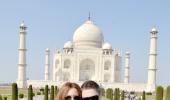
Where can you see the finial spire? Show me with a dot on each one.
(23, 24)
(89, 16)
(22, 21)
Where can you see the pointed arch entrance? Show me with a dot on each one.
(86, 70)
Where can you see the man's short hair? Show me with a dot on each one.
(91, 85)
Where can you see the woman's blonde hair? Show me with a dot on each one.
(65, 88)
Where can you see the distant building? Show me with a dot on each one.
(88, 57)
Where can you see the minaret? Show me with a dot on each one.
(152, 60)
(127, 67)
(22, 81)
(117, 66)
(47, 64)
(89, 18)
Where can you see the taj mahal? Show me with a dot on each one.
(88, 56)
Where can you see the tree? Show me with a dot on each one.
(33, 94)
(30, 93)
(115, 94)
(102, 91)
(21, 95)
(14, 91)
(5, 98)
(56, 90)
(46, 93)
(159, 93)
(143, 95)
(118, 93)
(122, 95)
(38, 93)
(42, 90)
(52, 93)
(109, 94)
(1, 97)
(168, 93)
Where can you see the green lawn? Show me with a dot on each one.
(150, 97)
(104, 98)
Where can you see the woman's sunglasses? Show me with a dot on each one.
(96, 97)
(74, 97)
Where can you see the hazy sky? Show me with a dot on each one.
(125, 24)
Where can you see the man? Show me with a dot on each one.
(91, 91)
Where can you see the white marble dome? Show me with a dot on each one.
(107, 45)
(68, 44)
(88, 35)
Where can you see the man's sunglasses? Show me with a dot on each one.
(74, 97)
(96, 97)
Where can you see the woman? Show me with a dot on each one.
(69, 91)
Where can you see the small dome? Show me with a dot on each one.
(154, 30)
(68, 44)
(88, 35)
(107, 46)
(47, 49)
